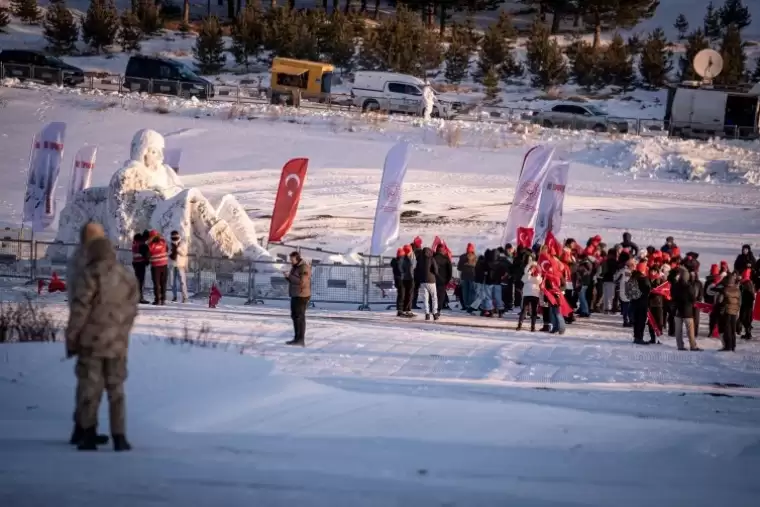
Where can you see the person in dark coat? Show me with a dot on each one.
(712, 282)
(669, 245)
(684, 298)
(699, 294)
(656, 304)
(747, 306)
(671, 305)
(406, 267)
(609, 268)
(397, 281)
(640, 305)
(731, 303)
(466, 268)
(425, 276)
(417, 249)
(481, 275)
(745, 260)
(445, 273)
(632, 247)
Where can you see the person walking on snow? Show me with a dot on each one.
(178, 266)
(299, 279)
(466, 268)
(683, 302)
(531, 292)
(159, 260)
(428, 98)
(103, 309)
(425, 274)
(445, 273)
(747, 305)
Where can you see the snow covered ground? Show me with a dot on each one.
(463, 412)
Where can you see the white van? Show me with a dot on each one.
(394, 93)
(700, 112)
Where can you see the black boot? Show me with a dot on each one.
(89, 440)
(121, 444)
(296, 342)
(78, 433)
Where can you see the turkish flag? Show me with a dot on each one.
(703, 307)
(756, 309)
(288, 195)
(525, 237)
(655, 327)
(553, 244)
(663, 290)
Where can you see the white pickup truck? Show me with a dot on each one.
(394, 93)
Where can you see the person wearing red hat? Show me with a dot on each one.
(466, 268)
(747, 306)
(418, 256)
(159, 261)
(638, 290)
(713, 283)
(656, 304)
(406, 267)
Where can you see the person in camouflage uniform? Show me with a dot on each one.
(76, 264)
(103, 306)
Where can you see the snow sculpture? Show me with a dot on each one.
(147, 194)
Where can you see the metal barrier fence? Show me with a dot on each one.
(254, 281)
(250, 94)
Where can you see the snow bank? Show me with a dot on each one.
(663, 157)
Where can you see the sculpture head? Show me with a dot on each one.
(148, 148)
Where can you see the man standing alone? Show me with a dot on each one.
(103, 308)
(300, 293)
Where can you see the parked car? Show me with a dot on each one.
(152, 74)
(394, 93)
(37, 66)
(311, 80)
(580, 116)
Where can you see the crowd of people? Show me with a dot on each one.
(654, 290)
(150, 250)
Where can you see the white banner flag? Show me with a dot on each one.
(528, 192)
(44, 167)
(552, 201)
(388, 212)
(171, 158)
(81, 171)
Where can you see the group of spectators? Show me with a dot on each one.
(654, 290)
(150, 250)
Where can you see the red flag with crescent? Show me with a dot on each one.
(663, 290)
(756, 309)
(525, 236)
(288, 195)
(553, 244)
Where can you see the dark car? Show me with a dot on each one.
(150, 74)
(37, 66)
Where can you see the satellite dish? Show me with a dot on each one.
(708, 64)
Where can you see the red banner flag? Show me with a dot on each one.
(525, 237)
(663, 290)
(288, 195)
(703, 307)
(552, 243)
(756, 310)
(653, 323)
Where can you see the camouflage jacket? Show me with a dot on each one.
(103, 304)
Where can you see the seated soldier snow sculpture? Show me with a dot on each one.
(147, 194)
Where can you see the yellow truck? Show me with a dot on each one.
(292, 80)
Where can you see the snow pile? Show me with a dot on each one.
(669, 158)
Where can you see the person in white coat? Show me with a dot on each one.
(531, 280)
(621, 278)
(428, 98)
(178, 265)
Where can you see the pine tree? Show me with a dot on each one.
(27, 10)
(5, 18)
(473, 36)
(585, 62)
(682, 25)
(634, 44)
(491, 83)
(340, 40)
(546, 62)
(496, 50)
(60, 29)
(617, 65)
(735, 13)
(615, 13)
(695, 43)
(100, 25)
(209, 47)
(756, 75)
(149, 15)
(655, 63)
(734, 58)
(248, 33)
(130, 32)
(711, 25)
(457, 56)
(294, 34)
